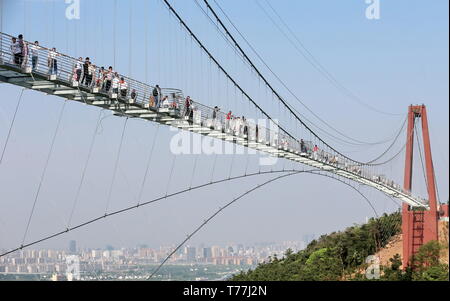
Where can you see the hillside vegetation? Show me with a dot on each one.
(342, 256)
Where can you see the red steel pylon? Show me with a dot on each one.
(418, 226)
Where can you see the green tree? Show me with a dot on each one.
(323, 264)
(426, 264)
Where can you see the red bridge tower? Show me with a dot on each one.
(419, 226)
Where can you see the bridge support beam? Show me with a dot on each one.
(419, 226)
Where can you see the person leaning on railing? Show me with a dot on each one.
(78, 69)
(34, 55)
(108, 77)
(115, 83)
(52, 62)
(16, 52)
(85, 71)
(187, 106)
(165, 102)
(23, 51)
(99, 83)
(91, 74)
(133, 95)
(123, 86)
(157, 96)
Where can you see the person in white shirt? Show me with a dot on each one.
(115, 83)
(123, 87)
(165, 102)
(16, 52)
(99, 82)
(52, 61)
(109, 77)
(79, 68)
(90, 74)
(34, 55)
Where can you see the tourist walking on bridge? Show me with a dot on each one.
(34, 55)
(85, 71)
(316, 152)
(109, 77)
(91, 74)
(157, 95)
(16, 52)
(24, 51)
(187, 106)
(115, 83)
(123, 87)
(78, 69)
(228, 120)
(52, 62)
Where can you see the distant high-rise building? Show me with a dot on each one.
(72, 246)
(190, 253)
(215, 251)
(207, 253)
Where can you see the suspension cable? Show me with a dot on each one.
(171, 9)
(144, 180)
(396, 154)
(120, 211)
(300, 114)
(280, 80)
(86, 164)
(132, 207)
(116, 164)
(205, 222)
(45, 170)
(320, 67)
(11, 125)
(392, 144)
(266, 82)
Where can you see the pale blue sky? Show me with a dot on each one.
(400, 59)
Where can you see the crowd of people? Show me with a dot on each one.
(107, 80)
(85, 73)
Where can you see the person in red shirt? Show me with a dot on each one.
(228, 119)
(315, 152)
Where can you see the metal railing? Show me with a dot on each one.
(41, 61)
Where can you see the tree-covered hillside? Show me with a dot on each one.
(339, 256)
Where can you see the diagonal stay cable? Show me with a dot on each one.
(116, 164)
(86, 164)
(11, 125)
(214, 215)
(45, 169)
(155, 200)
(205, 222)
(137, 206)
(144, 180)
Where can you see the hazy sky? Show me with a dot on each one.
(398, 60)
